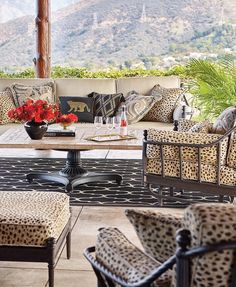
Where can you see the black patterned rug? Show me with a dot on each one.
(129, 193)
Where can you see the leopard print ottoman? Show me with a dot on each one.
(30, 218)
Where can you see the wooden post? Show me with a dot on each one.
(43, 39)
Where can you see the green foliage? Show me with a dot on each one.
(27, 73)
(71, 72)
(213, 84)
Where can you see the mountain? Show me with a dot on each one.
(12, 9)
(134, 33)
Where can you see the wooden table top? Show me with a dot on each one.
(17, 137)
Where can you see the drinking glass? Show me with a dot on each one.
(109, 123)
(116, 122)
(98, 122)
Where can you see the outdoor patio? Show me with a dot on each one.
(85, 221)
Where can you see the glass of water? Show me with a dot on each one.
(98, 122)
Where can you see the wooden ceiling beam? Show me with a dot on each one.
(42, 60)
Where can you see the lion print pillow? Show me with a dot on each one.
(82, 107)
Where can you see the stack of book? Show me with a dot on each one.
(60, 132)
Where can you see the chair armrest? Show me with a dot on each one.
(100, 270)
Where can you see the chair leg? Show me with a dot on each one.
(161, 195)
(68, 245)
(51, 268)
(231, 198)
(171, 191)
(221, 198)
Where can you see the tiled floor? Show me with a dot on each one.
(75, 272)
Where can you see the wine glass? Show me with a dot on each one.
(109, 123)
(98, 122)
(116, 122)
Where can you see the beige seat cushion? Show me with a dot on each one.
(30, 218)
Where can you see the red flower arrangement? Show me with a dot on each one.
(35, 111)
(67, 120)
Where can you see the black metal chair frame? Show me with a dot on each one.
(182, 259)
(50, 253)
(187, 184)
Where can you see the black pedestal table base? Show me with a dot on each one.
(73, 174)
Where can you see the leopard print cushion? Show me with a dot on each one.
(201, 127)
(121, 257)
(163, 109)
(190, 171)
(208, 154)
(6, 104)
(156, 231)
(211, 223)
(185, 125)
(30, 218)
(20, 93)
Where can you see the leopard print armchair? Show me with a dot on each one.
(190, 161)
(205, 255)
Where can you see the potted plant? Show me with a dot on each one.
(35, 115)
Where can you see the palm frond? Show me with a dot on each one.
(213, 84)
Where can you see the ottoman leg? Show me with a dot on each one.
(51, 275)
(68, 245)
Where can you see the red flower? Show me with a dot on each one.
(67, 119)
(36, 111)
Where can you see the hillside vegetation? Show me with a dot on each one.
(101, 34)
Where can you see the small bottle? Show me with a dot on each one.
(123, 123)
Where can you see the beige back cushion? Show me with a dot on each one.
(145, 84)
(83, 87)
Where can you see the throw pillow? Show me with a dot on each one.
(225, 121)
(137, 106)
(156, 231)
(106, 105)
(185, 125)
(162, 111)
(6, 104)
(20, 93)
(82, 107)
(202, 127)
